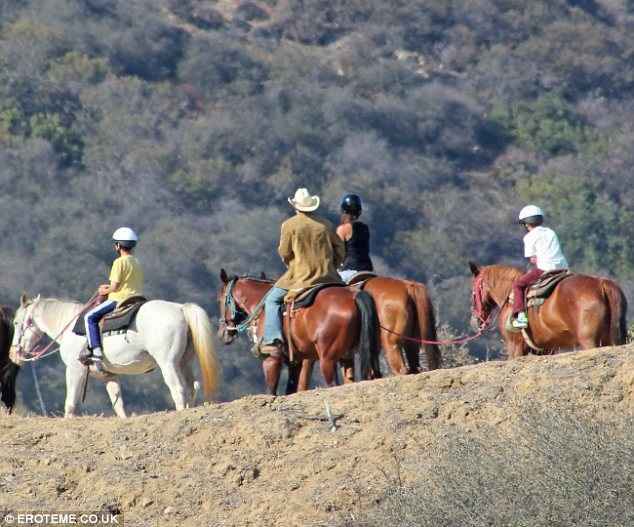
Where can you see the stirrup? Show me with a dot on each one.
(96, 365)
(85, 356)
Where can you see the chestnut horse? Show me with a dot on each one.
(582, 312)
(338, 322)
(406, 316)
(8, 369)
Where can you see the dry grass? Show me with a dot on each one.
(561, 470)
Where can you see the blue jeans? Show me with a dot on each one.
(273, 315)
(91, 321)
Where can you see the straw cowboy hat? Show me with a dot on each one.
(303, 201)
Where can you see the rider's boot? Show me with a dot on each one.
(275, 349)
(97, 360)
(521, 321)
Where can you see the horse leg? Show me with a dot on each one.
(113, 387)
(190, 384)
(393, 355)
(515, 347)
(76, 376)
(176, 384)
(272, 367)
(329, 371)
(305, 375)
(412, 352)
(348, 371)
(294, 369)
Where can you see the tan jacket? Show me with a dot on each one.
(311, 250)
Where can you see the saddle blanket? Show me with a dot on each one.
(119, 321)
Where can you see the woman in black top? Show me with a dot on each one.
(356, 236)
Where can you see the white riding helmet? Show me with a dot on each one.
(530, 211)
(125, 236)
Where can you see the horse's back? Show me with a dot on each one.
(160, 315)
(592, 307)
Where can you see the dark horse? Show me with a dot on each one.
(583, 312)
(8, 369)
(338, 322)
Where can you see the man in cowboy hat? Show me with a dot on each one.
(312, 251)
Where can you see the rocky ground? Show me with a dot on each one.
(277, 461)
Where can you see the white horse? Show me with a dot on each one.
(164, 334)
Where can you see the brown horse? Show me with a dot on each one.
(8, 369)
(583, 312)
(405, 315)
(339, 321)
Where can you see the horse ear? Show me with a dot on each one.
(223, 276)
(37, 298)
(23, 299)
(262, 275)
(475, 268)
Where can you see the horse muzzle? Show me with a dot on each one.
(14, 356)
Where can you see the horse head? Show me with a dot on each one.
(229, 310)
(482, 302)
(26, 333)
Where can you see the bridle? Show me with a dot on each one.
(240, 319)
(479, 308)
(230, 305)
(21, 331)
(478, 305)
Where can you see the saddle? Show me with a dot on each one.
(537, 293)
(307, 297)
(119, 321)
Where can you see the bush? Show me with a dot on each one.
(557, 468)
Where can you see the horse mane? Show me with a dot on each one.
(500, 278)
(256, 279)
(55, 319)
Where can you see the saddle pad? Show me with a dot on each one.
(546, 283)
(119, 320)
(307, 298)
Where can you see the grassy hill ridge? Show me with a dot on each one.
(523, 442)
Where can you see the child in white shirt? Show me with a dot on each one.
(542, 248)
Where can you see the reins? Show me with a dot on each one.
(447, 342)
(477, 310)
(37, 354)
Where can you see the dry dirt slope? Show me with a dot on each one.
(263, 461)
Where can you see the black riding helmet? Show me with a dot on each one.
(351, 204)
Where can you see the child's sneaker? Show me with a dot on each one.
(521, 321)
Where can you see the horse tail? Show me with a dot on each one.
(9, 375)
(426, 323)
(369, 336)
(618, 311)
(202, 338)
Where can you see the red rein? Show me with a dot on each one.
(477, 309)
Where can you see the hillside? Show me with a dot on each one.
(264, 461)
(193, 120)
